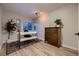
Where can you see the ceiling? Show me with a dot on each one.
(28, 9)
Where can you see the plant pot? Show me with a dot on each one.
(11, 37)
(57, 25)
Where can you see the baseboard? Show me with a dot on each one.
(69, 47)
(41, 39)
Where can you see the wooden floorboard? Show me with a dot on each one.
(42, 49)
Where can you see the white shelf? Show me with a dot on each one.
(26, 33)
(30, 32)
(22, 39)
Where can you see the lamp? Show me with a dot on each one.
(18, 29)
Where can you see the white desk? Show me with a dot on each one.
(32, 33)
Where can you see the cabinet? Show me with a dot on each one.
(53, 36)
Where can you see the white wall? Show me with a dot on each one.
(78, 28)
(0, 29)
(10, 15)
(40, 30)
(69, 16)
(42, 22)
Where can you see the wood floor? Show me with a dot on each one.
(2, 51)
(43, 49)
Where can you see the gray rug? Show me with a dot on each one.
(14, 46)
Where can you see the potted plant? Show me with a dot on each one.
(10, 26)
(58, 23)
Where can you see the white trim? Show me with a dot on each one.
(69, 47)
